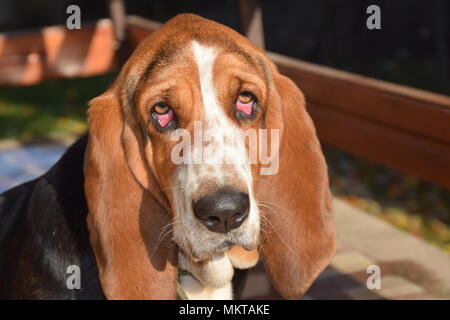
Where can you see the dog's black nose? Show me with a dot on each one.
(223, 210)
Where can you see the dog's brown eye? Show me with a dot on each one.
(245, 105)
(245, 97)
(163, 117)
(161, 108)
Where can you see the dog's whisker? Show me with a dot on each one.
(264, 223)
(165, 231)
(265, 205)
(281, 238)
(172, 187)
(277, 205)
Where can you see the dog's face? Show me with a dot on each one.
(193, 126)
(199, 105)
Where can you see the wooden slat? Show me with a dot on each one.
(389, 146)
(252, 21)
(55, 52)
(417, 111)
(397, 126)
(118, 16)
(30, 57)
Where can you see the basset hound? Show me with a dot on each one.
(130, 207)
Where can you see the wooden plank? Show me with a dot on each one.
(55, 52)
(118, 16)
(252, 21)
(30, 57)
(389, 146)
(403, 128)
(419, 112)
(119, 19)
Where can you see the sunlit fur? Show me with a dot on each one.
(140, 201)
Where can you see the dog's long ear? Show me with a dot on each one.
(126, 212)
(298, 237)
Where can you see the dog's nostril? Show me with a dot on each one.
(212, 220)
(222, 211)
(240, 216)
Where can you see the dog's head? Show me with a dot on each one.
(200, 138)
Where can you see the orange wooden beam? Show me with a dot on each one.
(55, 52)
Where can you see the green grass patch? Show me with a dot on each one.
(50, 110)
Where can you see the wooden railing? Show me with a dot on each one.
(397, 126)
(30, 57)
(400, 127)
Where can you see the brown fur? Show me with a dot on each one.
(128, 168)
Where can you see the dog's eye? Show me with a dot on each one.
(163, 116)
(245, 105)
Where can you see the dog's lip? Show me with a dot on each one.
(249, 247)
(222, 247)
(225, 245)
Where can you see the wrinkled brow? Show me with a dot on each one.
(257, 64)
(168, 50)
(162, 57)
(242, 54)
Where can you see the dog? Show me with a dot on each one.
(118, 206)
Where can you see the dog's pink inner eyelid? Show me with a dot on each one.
(245, 107)
(164, 119)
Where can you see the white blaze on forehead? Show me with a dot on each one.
(190, 177)
(205, 56)
(216, 123)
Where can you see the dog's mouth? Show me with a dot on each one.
(198, 254)
(225, 245)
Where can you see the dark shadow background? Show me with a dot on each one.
(412, 48)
